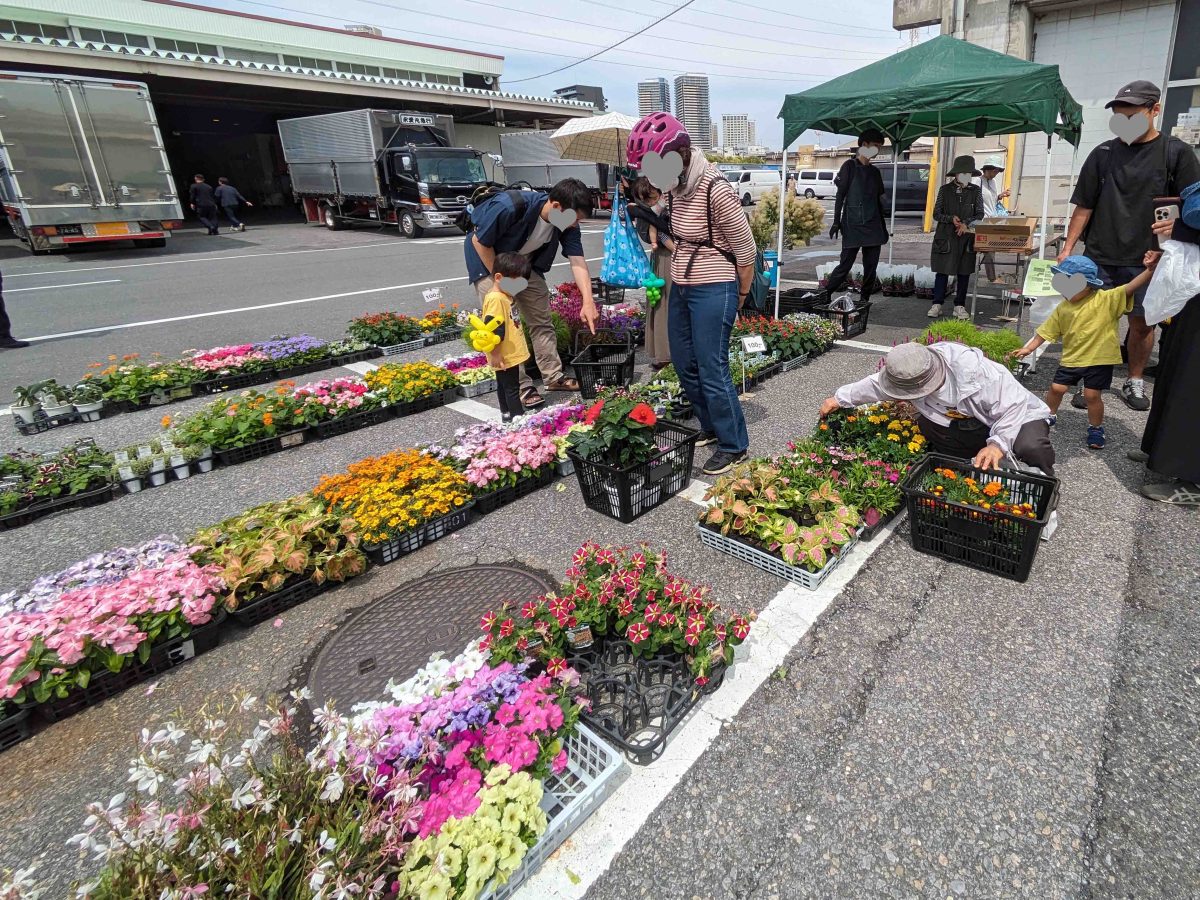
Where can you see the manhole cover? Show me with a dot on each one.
(394, 636)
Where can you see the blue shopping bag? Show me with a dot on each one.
(625, 263)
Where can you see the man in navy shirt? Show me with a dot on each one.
(535, 225)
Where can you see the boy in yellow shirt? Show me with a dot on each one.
(1086, 323)
(511, 276)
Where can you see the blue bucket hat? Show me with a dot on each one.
(1079, 265)
(1190, 213)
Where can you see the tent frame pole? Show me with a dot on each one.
(1045, 224)
(783, 199)
(895, 186)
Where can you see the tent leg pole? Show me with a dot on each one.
(783, 199)
(1074, 170)
(1045, 200)
(895, 185)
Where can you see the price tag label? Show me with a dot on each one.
(432, 295)
(754, 343)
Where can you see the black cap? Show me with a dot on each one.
(1136, 93)
(871, 135)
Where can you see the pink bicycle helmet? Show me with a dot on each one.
(660, 132)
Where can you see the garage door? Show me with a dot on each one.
(1097, 49)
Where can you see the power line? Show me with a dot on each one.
(787, 15)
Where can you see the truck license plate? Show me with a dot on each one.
(109, 229)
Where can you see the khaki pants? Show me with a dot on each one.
(533, 305)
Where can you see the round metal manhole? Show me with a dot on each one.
(394, 636)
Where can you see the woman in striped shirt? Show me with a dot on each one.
(711, 273)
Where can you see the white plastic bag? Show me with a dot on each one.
(1175, 281)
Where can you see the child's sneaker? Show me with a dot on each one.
(1052, 421)
(1096, 437)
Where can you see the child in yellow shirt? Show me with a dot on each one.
(1086, 323)
(508, 355)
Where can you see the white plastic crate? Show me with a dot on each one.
(790, 365)
(407, 346)
(592, 773)
(769, 563)
(478, 389)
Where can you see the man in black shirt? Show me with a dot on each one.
(1114, 209)
(200, 195)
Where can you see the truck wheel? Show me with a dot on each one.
(747, 200)
(808, 192)
(329, 217)
(409, 227)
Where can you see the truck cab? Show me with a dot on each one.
(428, 186)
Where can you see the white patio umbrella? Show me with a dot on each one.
(598, 139)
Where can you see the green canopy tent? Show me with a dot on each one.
(943, 87)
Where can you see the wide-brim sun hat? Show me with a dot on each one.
(912, 371)
(993, 162)
(1079, 265)
(963, 165)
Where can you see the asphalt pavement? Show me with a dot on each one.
(938, 732)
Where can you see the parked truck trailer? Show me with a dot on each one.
(530, 157)
(82, 162)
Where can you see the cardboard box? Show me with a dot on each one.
(1010, 234)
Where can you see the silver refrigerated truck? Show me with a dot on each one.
(82, 162)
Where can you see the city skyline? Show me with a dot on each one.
(692, 108)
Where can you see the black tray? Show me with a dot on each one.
(493, 500)
(433, 401)
(258, 449)
(352, 422)
(270, 605)
(21, 517)
(436, 529)
(14, 726)
(235, 382)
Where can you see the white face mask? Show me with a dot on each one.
(963, 178)
(868, 152)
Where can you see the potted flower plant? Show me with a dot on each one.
(26, 407)
(55, 398)
(88, 398)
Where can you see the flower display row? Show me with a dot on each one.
(388, 329)
(470, 369)
(409, 382)
(30, 481)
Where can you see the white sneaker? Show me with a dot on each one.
(934, 311)
(960, 313)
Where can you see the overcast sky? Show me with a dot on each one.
(754, 53)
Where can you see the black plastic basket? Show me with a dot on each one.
(433, 401)
(996, 542)
(14, 726)
(626, 493)
(849, 322)
(493, 500)
(607, 293)
(797, 300)
(270, 605)
(389, 551)
(599, 365)
(258, 449)
(163, 657)
(352, 422)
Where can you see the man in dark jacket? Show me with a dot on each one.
(228, 197)
(203, 203)
(858, 215)
(7, 341)
(535, 225)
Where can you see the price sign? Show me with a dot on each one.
(754, 343)
(433, 295)
(1038, 279)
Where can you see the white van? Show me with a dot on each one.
(751, 184)
(816, 183)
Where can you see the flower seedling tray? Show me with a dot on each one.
(436, 529)
(790, 365)
(601, 365)
(636, 702)
(594, 770)
(869, 532)
(302, 369)
(443, 335)
(478, 389)
(235, 382)
(270, 605)
(626, 493)
(258, 449)
(607, 293)
(680, 411)
(93, 497)
(996, 542)
(42, 422)
(363, 418)
(493, 500)
(405, 347)
(768, 562)
(345, 359)
(850, 323)
(433, 401)
(14, 726)
(163, 657)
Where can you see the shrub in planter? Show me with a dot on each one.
(439, 319)
(783, 337)
(240, 419)
(621, 433)
(802, 221)
(55, 398)
(26, 404)
(129, 379)
(508, 458)
(88, 399)
(408, 382)
(384, 329)
(869, 485)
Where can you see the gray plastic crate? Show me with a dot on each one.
(769, 563)
(592, 773)
(395, 349)
(476, 390)
(792, 364)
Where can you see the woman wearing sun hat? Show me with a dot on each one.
(959, 206)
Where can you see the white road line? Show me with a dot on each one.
(362, 368)
(475, 410)
(695, 492)
(242, 309)
(863, 345)
(589, 852)
(55, 287)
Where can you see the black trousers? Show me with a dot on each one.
(839, 275)
(208, 217)
(964, 438)
(508, 392)
(5, 324)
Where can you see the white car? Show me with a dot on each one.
(751, 184)
(816, 183)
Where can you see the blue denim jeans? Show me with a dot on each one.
(700, 319)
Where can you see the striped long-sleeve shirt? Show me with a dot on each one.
(730, 232)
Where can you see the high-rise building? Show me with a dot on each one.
(654, 95)
(751, 133)
(691, 108)
(586, 92)
(715, 140)
(736, 131)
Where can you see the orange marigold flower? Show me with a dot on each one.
(268, 419)
(165, 421)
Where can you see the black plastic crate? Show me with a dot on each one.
(493, 500)
(870, 532)
(234, 382)
(850, 323)
(163, 657)
(92, 497)
(390, 551)
(301, 369)
(270, 605)
(996, 542)
(636, 702)
(603, 365)
(345, 359)
(352, 422)
(433, 401)
(258, 449)
(797, 300)
(626, 493)
(443, 335)
(607, 293)
(14, 726)
(42, 422)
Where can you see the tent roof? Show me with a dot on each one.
(971, 90)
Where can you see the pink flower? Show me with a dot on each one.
(637, 632)
(559, 764)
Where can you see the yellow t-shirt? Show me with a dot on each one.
(1088, 329)
(512, 348)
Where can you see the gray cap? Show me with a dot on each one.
(911, 371)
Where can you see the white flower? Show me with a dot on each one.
(232, 845)
(293, 836)
(326, 843)
(301, 694)
(200, 754)
(148, 779)
(333, 787)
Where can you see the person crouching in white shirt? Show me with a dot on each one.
(968, 406)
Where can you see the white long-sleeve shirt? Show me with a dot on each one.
(991, 193)
(975, 388)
